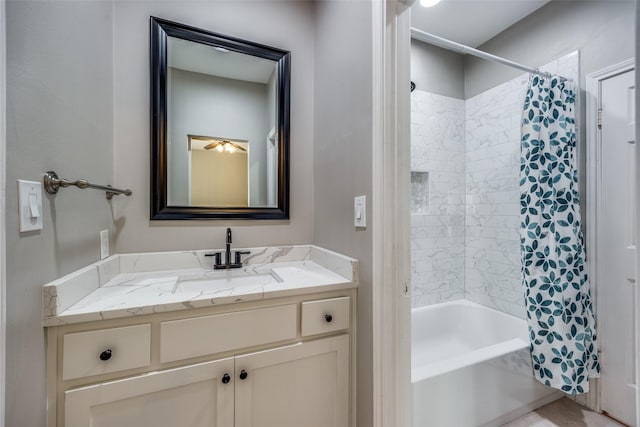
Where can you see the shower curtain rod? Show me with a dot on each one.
(459, 47)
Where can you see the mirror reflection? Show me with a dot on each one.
(222, 141)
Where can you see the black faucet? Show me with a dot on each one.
(227, 252)
(218, 265)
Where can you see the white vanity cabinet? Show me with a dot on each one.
(194, 395)
(275, 363)
(305, 384)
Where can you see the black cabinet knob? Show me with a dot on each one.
(225, 379)
(105, 355)
(243, 375)
(328, 318)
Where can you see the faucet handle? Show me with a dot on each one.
(218, 259)
(239, 256)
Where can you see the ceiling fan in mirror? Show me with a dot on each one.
(227, 146)
(221, 145)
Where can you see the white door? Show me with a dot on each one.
(191, 396)
(617, 289)
(301, 385)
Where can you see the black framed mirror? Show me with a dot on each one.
(220, 111)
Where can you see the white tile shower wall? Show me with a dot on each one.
(437, 231)
(492, 163)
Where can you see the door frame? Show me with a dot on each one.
(391, 36)
(3, 169)
(593, 209)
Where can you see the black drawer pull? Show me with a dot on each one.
(243, 375)
(328, 318)
(105, 355)
(225, 379)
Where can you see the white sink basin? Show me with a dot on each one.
(220, 280)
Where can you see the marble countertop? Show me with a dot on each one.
(139, 284)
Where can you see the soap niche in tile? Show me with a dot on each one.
(419, 192)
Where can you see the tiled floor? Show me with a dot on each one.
(563, 413)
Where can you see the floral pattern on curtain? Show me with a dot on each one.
(559, 310)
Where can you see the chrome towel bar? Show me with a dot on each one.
(52, 184)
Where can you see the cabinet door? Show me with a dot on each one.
(191, 396)
(305, 384)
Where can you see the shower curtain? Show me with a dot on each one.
(559, 310)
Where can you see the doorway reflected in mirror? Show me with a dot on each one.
(218, 172)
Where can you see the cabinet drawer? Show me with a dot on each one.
(106, 350)
(183, 339)
(327, 315)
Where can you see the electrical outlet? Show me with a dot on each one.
(104, 244)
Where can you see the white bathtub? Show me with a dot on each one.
(470, 366)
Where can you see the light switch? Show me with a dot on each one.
(360, 211)
(33, 206)
(30, 205)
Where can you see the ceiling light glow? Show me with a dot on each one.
(429, 3)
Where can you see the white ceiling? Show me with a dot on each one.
(471, 22)
(205, 59)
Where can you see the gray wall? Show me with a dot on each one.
(59, 117)
(437, 70)
(206, 105)
(342, 158)
(603, 30)
(79, 103)
(3, 264)
(283, 24)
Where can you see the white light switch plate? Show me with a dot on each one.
(360, 211)
(30, 205)
(104, 244)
